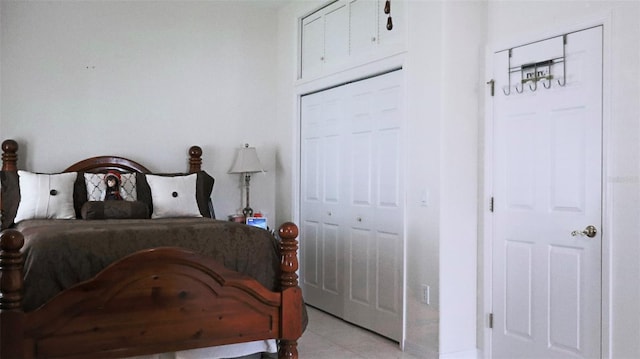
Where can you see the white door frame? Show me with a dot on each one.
(485, 232)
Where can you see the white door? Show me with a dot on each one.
(322, 203)
(375, 193)
(547, 189)
(352, 202)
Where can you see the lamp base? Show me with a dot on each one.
(248, 212)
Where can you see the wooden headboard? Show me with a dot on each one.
(97, 164)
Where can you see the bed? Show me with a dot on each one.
(147, 294)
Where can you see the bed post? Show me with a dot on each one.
(291, 293)
(195, 162)
(11, 315)
(9, 156)
(9, 161)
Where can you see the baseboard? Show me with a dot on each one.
(468, 354)
(419, 351)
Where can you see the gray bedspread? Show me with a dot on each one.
(61, 253)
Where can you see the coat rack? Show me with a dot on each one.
(532, 73)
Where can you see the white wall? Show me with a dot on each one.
(144, 80)
(424, 111)
(462, 87)
(511, 23)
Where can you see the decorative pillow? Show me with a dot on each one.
(96, 187)
(10, 192)
(173, 196)
(115, 210)
(46, 196)
(79, 194)
(204, 187)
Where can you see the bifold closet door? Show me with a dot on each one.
(352, 203)
(322, 204)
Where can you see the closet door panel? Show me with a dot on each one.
(361, 169)
(332, 258)
(333, 147)
(389, 182)
(388, 258)
(359, 272)
(312, 170)
(320, 244)
(312, 253)
(312, 51)
(336, 38)
(363, 21)
(389, 103)
(377, 204)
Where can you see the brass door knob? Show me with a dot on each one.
(590, 232)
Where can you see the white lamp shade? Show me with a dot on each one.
(246, 161)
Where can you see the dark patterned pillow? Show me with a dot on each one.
(115, 210)
(96, 187)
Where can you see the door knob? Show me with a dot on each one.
(590, 232)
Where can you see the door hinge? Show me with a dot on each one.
(491, 204)
(490, 320)
(492, 83)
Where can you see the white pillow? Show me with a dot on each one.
(46, 196)
(96, 187)
(173, 196)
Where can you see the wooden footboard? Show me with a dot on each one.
(157, 300)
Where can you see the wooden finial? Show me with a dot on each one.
(289, 250)
(9, 156)
(195, 162)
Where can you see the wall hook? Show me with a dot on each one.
(564, 62)
(563, 82)
(508, 76)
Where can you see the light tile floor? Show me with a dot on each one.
(328, 337)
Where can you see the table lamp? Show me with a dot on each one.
(246, 163)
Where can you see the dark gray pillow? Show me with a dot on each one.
(115, 210)
(10, 193)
